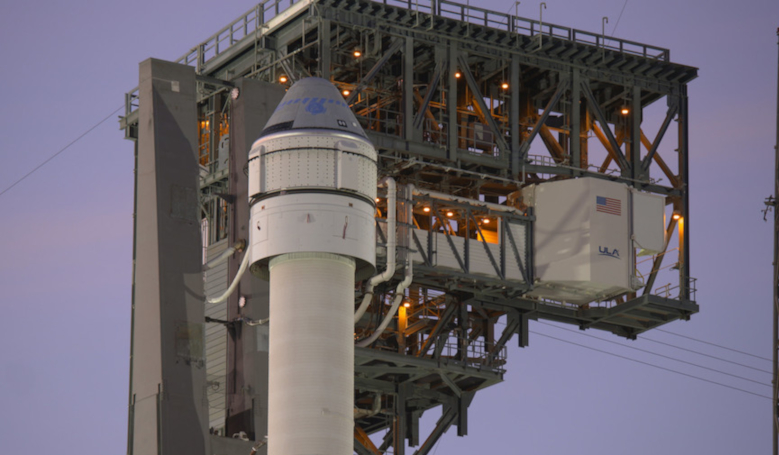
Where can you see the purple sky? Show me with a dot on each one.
(67, 236)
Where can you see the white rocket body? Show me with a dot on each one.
(312, 185)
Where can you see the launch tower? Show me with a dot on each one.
(489, 126)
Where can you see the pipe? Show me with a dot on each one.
(236, 280)
(362, 413)
(391, 248)
(399, 291)
(239, 245)
(448, 197)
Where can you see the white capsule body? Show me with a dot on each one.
(312, 185)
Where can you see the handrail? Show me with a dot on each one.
(258, 16)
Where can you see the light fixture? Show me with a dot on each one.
(235, 93)
(283, 79)
(504, 85)
(457, 75)
(625, 111)
(378, 199)
(450, 214)
(407, 304)
(485, 220)
(426, 209)
(346, 92)
(676, 215)
(357, 53)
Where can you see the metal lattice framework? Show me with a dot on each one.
(454, 98)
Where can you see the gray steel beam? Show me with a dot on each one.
(325, 52)
(168, 409)
(634, 131)
(408, 90)
(574, 133)
(431, 88)
(514, 131)
(542, 119)
(247, 389)
(451, 106)
(673, 108)
(594, 107)
(477, 95)
(684, 174)
(394, 47)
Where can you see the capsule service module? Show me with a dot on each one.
(312, 187)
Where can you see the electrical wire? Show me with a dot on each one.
(706, 355)
(651, 365)
(620, 17)
(713, 344)
(658, 355)
(62, 150)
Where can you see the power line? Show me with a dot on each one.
(62, 150)
(651, 365)
(714, 344)
(620, 17)
(706, 355)
(659, 355)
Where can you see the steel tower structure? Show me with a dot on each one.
(452, 97)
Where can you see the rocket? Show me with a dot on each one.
(312, 190)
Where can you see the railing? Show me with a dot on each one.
(248, 24)
(254, 20)
(669, 291)
(474, 353)
(530, 27)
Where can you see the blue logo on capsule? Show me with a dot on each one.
(604, 251)
(316, 106)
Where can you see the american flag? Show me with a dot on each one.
(608, 205)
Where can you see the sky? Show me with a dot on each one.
(66, 240)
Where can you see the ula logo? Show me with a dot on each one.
(604, 251)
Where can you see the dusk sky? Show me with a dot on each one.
(66, 240)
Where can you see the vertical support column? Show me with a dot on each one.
(408, 89)
(451, 104)
(324, 49)
(514, 115)
(247, 347)
(684, 174)
(167, 388)
(399, 424)
(574, 134)
(635, 134)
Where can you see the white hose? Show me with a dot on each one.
(399, 294)
(224, 255)
(236, 280)
(391, 249)
(399, 291)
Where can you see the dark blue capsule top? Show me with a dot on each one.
(313, 103)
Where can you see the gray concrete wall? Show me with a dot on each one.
(168, 404)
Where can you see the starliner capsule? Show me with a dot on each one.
(312, 186)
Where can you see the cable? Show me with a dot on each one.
(62, 149)
(714, 344)
(658, 355)
(706, 355)
(651, 365)
(620, 17)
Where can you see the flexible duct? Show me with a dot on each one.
(391, 249)
(399, 291)
(240, 245)
(236, 280)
